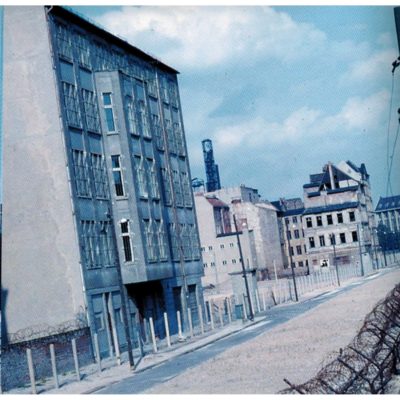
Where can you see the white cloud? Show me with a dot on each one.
(357, 116)
(369, 69)
(206, 36)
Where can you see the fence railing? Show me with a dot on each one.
(369, 362)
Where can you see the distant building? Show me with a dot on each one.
(338, 209)
(290, 214)
(212, 172)
(387, 214)
(219, 245)
(99, 226)
(259, 216)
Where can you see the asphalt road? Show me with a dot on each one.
(144, 380)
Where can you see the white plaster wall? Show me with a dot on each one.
(40, 261)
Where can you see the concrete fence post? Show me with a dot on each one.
(153, 335)
(221, 319)
(190, 321)
(228, 307)
(178, 318)
(264, 301)
(31, 371)
(210, 305)
(54, 365)
(76, 361)
(97, 348)
(244, 307)
(201, 319)
(167, 329)
(145, 330)
(258, 301)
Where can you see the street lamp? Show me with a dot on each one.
(251, 315)
(333, 242)
(291, 264)
(359, 248)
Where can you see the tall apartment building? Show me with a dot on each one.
(338, 210)
(290, 220)
(99, 226)
(219, 245)
(259, 216)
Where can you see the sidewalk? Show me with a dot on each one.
(92, 379)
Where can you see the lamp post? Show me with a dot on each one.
(291, 263)
(251, 315)
(333, 242)
(359, 248)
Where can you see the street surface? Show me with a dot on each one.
(146, 380)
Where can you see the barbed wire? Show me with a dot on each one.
(369, 362)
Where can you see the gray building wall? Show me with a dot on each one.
(261, 218)
(59, 157)
(41, 272)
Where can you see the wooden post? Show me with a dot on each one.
(54, 365)
(210, 305)
(31, 371)
(96, 345)
(201, 319)
(190, 322)
(167, 329)
(76, 361)
(153, 335)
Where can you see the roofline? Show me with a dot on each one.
(81, 20)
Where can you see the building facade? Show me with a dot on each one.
(259, 216)
(99, 217)
(338, 217)
(219, 245)
(290, 220)
(387, 215)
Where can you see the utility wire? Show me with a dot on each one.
(391, 159)
(388, 135)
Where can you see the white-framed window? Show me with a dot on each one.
(117, 175)
(162, 240)
(153, 181)
(81, 173)
(166, 187)
(109, 112)
(140, 176)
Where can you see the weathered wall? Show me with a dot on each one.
(40, 261)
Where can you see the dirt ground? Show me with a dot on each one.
(295, 350)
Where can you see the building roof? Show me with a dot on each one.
(388, 203)
(215, 202)
(297, 211)
(329, 208)
(91, 26)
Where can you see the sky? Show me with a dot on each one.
(279, 90)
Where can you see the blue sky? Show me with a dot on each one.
(279, 90)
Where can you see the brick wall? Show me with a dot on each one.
(14, 364)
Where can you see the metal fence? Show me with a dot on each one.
(369, 362)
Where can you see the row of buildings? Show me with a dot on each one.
(334, 223)
(100, 227)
